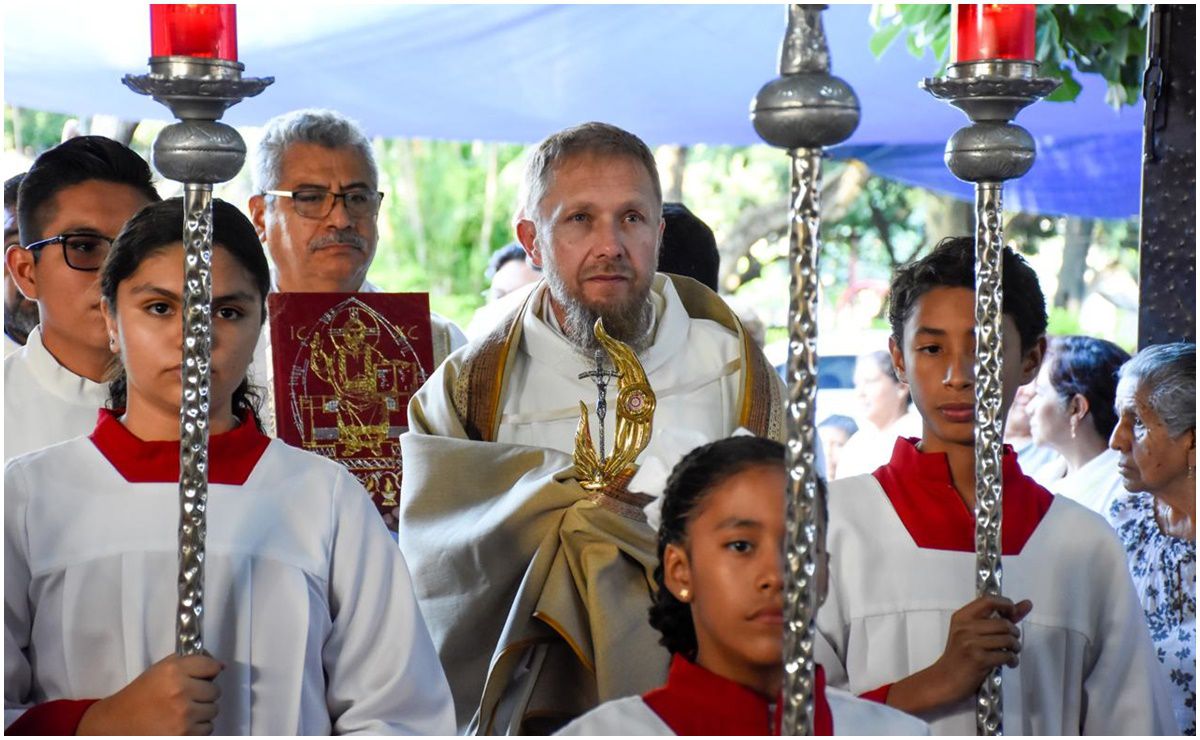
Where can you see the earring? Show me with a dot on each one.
(684, 595)
(112, 344)
(1191, 471)
(1074, 425)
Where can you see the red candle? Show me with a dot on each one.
(208, 31)
(994, 31)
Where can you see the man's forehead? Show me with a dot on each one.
(97, 204)
(579, 167)
(303, 162)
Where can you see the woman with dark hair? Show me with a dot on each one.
(884, 417)
(1072, 413)
(719, 607)
(1155, 437)
(309, 612)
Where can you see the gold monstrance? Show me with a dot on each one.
(635, 416)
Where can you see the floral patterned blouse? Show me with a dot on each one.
(1164, 572)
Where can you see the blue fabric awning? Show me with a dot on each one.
(670, 73)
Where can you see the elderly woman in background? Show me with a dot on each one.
(884, 416)
(1156, 438)
(1072, 413)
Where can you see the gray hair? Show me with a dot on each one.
(601, 139)
(322, 127)
(1168, 373)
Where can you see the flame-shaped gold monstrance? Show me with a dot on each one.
(635, 418)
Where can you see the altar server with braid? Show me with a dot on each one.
(719, 607)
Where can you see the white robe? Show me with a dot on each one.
(851, 716)
(45, 403)
(10, 345)
(308, 603)
(692, 366)
(446, 337)
(1087, 664)
(1096, 484)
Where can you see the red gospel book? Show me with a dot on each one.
(345, 366)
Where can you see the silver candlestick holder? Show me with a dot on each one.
(803, 110)
(199, 152)
(989, 151)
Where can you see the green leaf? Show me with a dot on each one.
(1119, 48)
(1066, 92)
(1127, 9)
(1114, 95)
(914, 15)
(1100, 34)
(914, 46)
(941, 46)
(883, 38)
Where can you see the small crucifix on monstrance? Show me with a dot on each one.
(601, 378)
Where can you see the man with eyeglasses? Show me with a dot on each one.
(316, 209)
(72, 203)
(20, 313)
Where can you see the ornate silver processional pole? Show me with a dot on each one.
(989, 151)
(803, 110)
(199, 152)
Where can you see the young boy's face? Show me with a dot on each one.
(937, 360)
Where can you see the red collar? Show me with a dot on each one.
(231, 456)
(918, 485)
(697, 701)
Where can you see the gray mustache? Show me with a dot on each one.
(345, 236)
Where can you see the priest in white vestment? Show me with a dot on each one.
(536, 590)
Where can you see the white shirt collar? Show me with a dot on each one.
(55, 378)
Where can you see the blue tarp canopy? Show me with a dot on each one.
(682, 74)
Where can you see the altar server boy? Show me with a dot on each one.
(902, 624)
(309, 614)
(73, 201)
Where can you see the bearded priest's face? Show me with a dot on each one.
(598, 230)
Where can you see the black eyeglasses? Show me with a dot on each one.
(359, 202)
(81, 251)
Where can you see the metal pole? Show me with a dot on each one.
(803, 111)
(198, 151)
(989, 351)
(193, 415)
(800, 595)
(986, 153)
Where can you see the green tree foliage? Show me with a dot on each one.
(1109, 40)
(440, 220)
(32, 131)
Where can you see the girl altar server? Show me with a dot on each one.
(309, 612)
(719, 607)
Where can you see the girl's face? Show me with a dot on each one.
(148, 327)
(732, 568)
